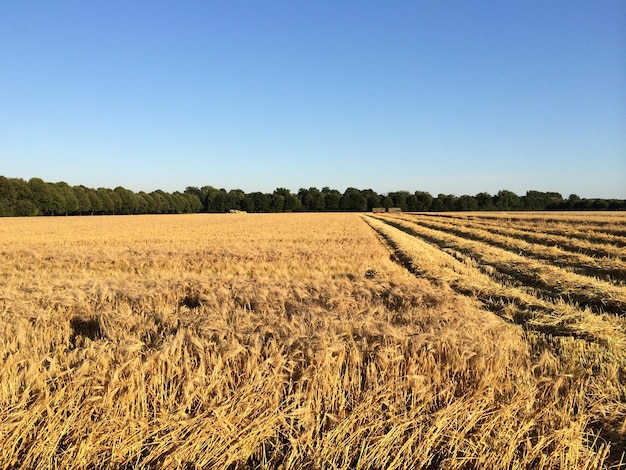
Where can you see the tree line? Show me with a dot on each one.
(37, 197)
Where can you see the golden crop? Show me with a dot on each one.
(295, 341)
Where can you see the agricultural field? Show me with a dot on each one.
(316, 341)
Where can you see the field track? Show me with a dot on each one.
(321, 341)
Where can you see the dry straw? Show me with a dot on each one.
(281, 341)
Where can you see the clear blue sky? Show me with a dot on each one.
(453, 97)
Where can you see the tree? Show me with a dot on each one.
(411, 202)
(194, 190)
(616, 205)
(262, 202)
(106, 205)
(485, 202)
(149, 201)
(234, 199)
(61, 205)
(195, 205)
(141, 205)
(248, 203)
(539, 201)
(573, 202)
(43, 196)
(290, 202)
(332, 198)
(437, 205)
(584, 204)
(94, 202)
(507, 201)
(16, 198)
(311, 199)
(65, 199)
(353, 200)
(25, 208)
(599, 204)
(466, 203)
(6, 209)
(423, 201)
(219, 201)
(179, 204)
(554, 201)
(207, 196)
(400, 199)
(82, 197)
(373, 198)
(159, 202)
(169, 205)
(6, 190)
(445, 202)
(127, 198)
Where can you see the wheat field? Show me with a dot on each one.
(313, 341)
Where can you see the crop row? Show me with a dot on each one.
(566, 339)
(427, 256)
(594, 242)
(515, 269)
(289, 341)
(533, 245)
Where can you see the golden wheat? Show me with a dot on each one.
(275, 341)
(612, 269)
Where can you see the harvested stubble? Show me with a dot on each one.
(517, 269)
(263, 341)
(589, 348)
(612, 269)
(569, 237)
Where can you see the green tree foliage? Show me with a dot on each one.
(507, 201)
(127, 201)
(353, 200)
(82, 197)
(24, 208)
(437, 205)
(248, 203)
(444, 203)
(485, 202)
(466, 203)
(235, 199)
(572, 202)
(16, 198)
(195, 191)
(116, 199)
(278, 203)
(262, 201)
(43, 196)
(106, 204)
(68, 202)
(400, 199)
(37, 197)
(373, 199)
(538, 201)
(219, 202)
(599, 205)
(311, 200)
(332, 198)
(423, 201)
(290, 202)
(195, 205)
